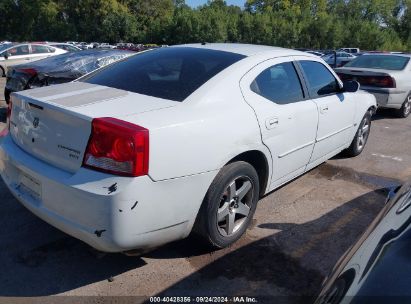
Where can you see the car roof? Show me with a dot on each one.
(245, 49)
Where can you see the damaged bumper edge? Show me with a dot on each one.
(110, 213)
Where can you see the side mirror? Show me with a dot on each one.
(6, 55)
(351, 86)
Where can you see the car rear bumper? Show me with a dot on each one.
(388, 98)
(110, 213)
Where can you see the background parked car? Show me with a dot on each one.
(58, 69)
(387, 76)
(65, 46)
(14, 54)
(85, 45)
(106, 46)
(350, 50)
(342, 59)
(377, 268)
(316, 53)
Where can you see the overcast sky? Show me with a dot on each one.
(195, 3)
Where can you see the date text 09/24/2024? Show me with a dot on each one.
(237, 299)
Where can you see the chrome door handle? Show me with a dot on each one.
(271, 123)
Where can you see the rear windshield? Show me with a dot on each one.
(169, 73)
(385, 62)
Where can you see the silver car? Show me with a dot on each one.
(387, 76)
(13, 54)
(342, 59)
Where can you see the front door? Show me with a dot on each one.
(17, 55)
(336, 110)
(287, 117)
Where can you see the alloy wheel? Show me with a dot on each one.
(363, 133)
(407, 106)
(235, 205)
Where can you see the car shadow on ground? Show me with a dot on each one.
(292, 261)
(384, 114)
(38, 260)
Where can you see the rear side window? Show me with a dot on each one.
(279, 83)
(39, 49)
(384, 62)
(169, 73)
(320, 80)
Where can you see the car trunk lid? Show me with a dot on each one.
(54, 123)
(368, 77)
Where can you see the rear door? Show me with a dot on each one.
(40, 51)
(287, 117)
(336, 109)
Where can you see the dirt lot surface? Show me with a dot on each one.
(298, 233)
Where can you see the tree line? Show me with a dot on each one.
(317, 24)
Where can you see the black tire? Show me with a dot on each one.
(217, 203)
(361, 137)
(405, 110)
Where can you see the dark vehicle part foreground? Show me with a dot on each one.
(377, 268)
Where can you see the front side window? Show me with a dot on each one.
(171, 73)
(279, 83)
(320, 80)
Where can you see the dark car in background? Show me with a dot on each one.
(377, 269)
(59, 69)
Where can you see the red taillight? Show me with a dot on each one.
(378, 81)
(31, 72)
(117, 147)
(343, 76)
(372, 81)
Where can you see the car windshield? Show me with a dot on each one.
(384, 62)
(168, 73)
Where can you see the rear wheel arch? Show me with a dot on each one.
(259, 161)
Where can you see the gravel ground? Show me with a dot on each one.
(298, 233)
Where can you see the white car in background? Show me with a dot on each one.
(342, 58)
(350, 50)
(14, 54)
(174, 140)
(387, 76)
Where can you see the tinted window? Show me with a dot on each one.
(279, 84)
(19, 50)
(386, 62)
(67, 47)
(319, 78)
(39, 49)
(169, 73)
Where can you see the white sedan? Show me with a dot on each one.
(174, 140)
(387, 76)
